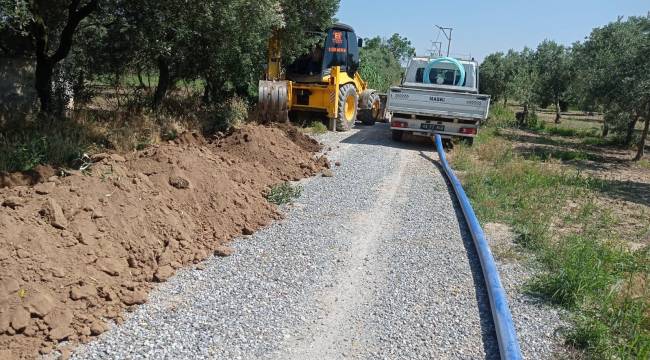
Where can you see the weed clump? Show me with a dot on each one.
(316, 127)
(283, 193)
(231, 114)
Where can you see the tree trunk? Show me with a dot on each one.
(142, 85)
(524, 116)
(208, 92)
(43, 84)
(629, 134)
(505, 101)
(44, 61)
(640, 151)
(116, 84)
(163, 82)
(558, 115)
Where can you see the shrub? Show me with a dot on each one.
(501, 116)
(231, 114)
(533, 121)
(644, 163)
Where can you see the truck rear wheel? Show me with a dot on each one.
(397, 135)
(348, 102)
(371, 108)
(469, 141)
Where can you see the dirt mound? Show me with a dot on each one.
(266, 149)
(37, 175)
(304, 141)
(76, 251)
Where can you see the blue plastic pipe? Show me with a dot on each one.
(506, 335)
(459, 66)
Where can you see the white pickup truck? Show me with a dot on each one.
(437, 97)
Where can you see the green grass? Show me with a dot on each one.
(644, 164)
(283, 194)
(587, 270)
(58, 144)
(316, 127)
(571, 132)
(611, 140)
(131, 80)
(544, 154)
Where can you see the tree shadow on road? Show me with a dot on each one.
(488, 331)
(380, 135)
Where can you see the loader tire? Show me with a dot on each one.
(370, 109)
(273, 101)
(348, 105)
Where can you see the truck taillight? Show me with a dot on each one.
(399, 124)
(468, 131)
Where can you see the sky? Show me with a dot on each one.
(482, 27)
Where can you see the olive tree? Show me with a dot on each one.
(524, 80)
(497, 75)
(303, 22)
(400, 47)
(50, 27)
(381, 60)
(615, 72)
(493, 79)
(554, 73)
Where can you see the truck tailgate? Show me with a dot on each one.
(435, 102)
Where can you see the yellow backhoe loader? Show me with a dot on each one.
(326, 80)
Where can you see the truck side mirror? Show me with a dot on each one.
(360, 42)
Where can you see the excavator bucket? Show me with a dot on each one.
(273, 101)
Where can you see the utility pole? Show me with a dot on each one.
(447, 35)
(436, 48)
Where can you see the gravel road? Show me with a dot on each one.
(372, 263)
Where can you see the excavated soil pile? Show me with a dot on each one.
(76, 251)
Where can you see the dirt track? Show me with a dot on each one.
(372, 263)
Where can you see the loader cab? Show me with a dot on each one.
(338, 46)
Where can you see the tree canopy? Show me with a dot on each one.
(608, 72)
(381, 60)
(221, 42)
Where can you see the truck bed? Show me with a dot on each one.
(429, 101)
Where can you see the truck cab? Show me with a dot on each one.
(438, 96)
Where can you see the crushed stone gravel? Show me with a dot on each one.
(372, 263)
